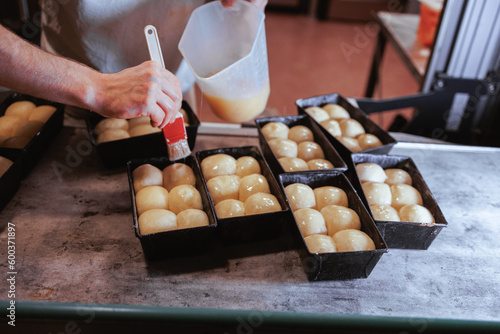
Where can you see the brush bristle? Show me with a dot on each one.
(178, 150)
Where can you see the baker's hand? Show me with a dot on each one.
(261, 4)
(144, 90)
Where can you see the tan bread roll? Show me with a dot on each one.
(157, 220)
(300, 196)
(353, 241)
(310, 222)
(275, 130)
(8, 124)
(283, 148)
(300, 133)
(261, 203)
(192, 218)
(403, 194)
(42, 113)
(4, 165)
(218, 164)
(252, 184)
(367, 141)
(377, 193)
(21, 109)
(146, 175)
(184, 197)
(177, 174)
(224, 187)
(293, 164)
(28, 129)
(111, 123)
(329, 195)
(152, 197)
(352, 144)
(315, 164)
(338, 218)
(112, 135)
(142, 130)
(351, 128)
(385, 213)
(133, 122)
(415, 213)
(308, 150)
(317, 113)
(230, 208)
(336, 111)
(397, 176)
(247, 165)
(318, 243)
(18, 142)
(332, 126)
(370, 172)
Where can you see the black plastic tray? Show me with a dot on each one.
(404, 235)
(40, 142)
(340, 265)
(254, 227)
(331, 153)
(117, 153)
(357, 114)
(11, 179)
(177, 242)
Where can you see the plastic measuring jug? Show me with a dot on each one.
(226, 51)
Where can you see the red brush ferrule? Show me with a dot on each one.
(175, 131)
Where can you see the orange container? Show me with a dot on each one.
(429, 17)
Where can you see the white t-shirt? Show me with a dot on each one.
(109, 35)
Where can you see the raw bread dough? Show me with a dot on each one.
(218, 164)
(18, 142)
(184, 197)
(42, 113)
(247, 165)
(310, 221)
(329, 195)
(157, 220)
(133, 122)
(152, 197)
(21, 109)
(397, 176)
(111, 123)
(8, 124)
(317, 113)
(318, 243)
(223, 187)
(352, 241)
(192, 218)
(338, 218)
(370, 172)
(230, 208)
(275, 130)
(300, 133)
(308, 150)
(377, 193)
(143, 129)
(315, 164)
(403, 194)
(351, 143)
(112, 135)
(293, 164)
(415, 213)
(261, 203)
(367, 141)
(252, 184)
(300, 196)
(4, 165)
(351, 128)
(336, 111)
(177, 174)
(146, 175)
(28, 129)
(283, 148)
(385, 213)
(332, 126)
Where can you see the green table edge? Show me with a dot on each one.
(34, 311)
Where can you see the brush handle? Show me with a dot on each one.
(153, 44)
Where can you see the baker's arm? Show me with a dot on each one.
(143, 90)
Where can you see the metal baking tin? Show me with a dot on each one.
(357, 114)
(331, 153)
(404, 235)
(253, 227)
(40, 142)
(177, 242)
(116, 153)
(11, 179)
(339, 265)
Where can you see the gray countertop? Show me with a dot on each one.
(76, 243)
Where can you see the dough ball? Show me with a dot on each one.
(18, 142)
(415, 213)
(185, 116)
(8, 124)
(377, 193)
(300, 133)
(385, 213)
(218, 164)
(338, 218)
(370, 172)
(146, 175)
(315, 164)
(293, 164)
(317, 113)
(192, 218)
(230, 208)
(308, 150)
(133, 122)
(111, 123)
(275, 130)
(142, 130)
(261, 203)
(2, 139)
(367, 141)
(177, 174)
(28, 129)
(21, 109)
(184, 197)
(332, 126)
(336, 111)
(397, 176)
(283, 148)
(329, 195)
(310, 221)
(247, 165)
(300, 196)
(353, 241)
(351, 143)
(252, 184)
(351, 128)
(403, 194)
(318, 243)
(42, 113)
(112, 135)
(4, 165)
(152, 197)
(223, 187)
(157, 220)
